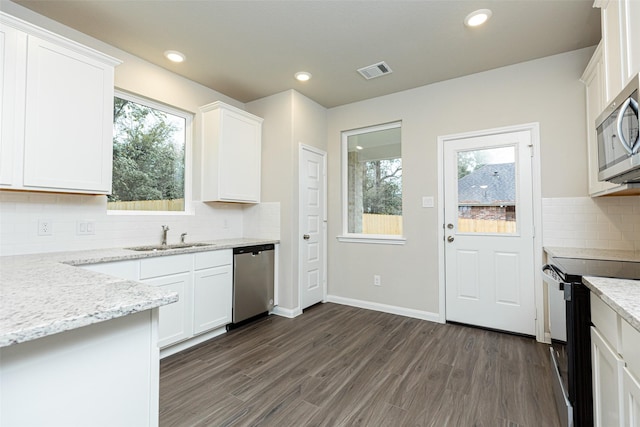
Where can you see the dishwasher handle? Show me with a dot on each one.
(255, 249)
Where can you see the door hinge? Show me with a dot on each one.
(530, 149)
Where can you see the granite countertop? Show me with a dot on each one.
(623, 296)
(43, 294)
(603, 254)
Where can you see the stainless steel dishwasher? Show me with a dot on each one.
(252, 281)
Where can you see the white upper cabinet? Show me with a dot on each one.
(621, 42)
(57, 115)
(614, 63)
(612, 40)
(13, 53)
(630, 19)
(231, 154)
(593, 78)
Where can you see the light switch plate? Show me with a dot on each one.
(427, 202)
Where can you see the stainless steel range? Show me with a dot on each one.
(571, 359)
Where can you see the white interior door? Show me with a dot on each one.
(312, 226)
(489, 259)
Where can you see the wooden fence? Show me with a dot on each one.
(466, 225)
(148, 205)
(382, 224)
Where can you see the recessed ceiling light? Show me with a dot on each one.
(174, 56)
(477, 17)
(302, 76)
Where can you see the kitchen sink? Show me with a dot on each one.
(167, 247)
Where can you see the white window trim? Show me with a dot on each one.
(188, 146)
(346, 237)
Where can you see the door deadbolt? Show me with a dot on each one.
(306, 237)
(450, 239)
(450, 226)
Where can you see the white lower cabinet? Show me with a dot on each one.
(203, 281)
(615, 351)
(101, 375)
(606, 370)
(211, 296)
(175, 321)
(631, 399)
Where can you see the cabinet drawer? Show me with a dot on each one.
(631, 348)
(606, 321)
(213, 258)
(165, 265)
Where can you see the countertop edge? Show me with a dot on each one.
(605, 289)
(600, 254)
(63, 325)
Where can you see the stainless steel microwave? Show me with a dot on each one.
(618, 140)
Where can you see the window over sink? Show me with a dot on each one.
(151, 151)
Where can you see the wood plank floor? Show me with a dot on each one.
(342, 366)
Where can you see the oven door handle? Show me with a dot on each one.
(549, 278)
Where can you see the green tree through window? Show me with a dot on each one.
(148, 158)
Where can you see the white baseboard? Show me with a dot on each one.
(385, 308)
(286, 312)
(168, 351)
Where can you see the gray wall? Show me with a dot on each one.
(290, 119)
(547, 91)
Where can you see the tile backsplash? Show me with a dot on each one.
(20, 213)
(599, 223)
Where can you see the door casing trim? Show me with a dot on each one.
(534, 131)
(322, 153)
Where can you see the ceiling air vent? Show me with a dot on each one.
(375, 70)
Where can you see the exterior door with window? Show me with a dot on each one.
(489, 260)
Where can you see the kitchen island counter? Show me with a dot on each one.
(44, 294)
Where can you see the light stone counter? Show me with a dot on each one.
(43, 294)
(603, 254)
(623, 296)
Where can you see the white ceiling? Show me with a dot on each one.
(251, 49)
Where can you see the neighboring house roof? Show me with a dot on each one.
(488, 185)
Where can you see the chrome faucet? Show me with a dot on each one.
(182, 236)
(165, 228)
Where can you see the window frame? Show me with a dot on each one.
(188, 147)
(346, 236)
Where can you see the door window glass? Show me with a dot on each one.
(487, 191)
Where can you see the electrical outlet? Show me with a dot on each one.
(45, 227)
(376, 280)
(85, 228)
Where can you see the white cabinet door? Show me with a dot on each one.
(593, 79)
(13, 53)
(212, 298)
(69, 107)
(631, 36)
(176, 320)
(231, 159)
(631, 399)
(611, 36)
(606, 371)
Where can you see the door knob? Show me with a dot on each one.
(450, 239)
(306, 237)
